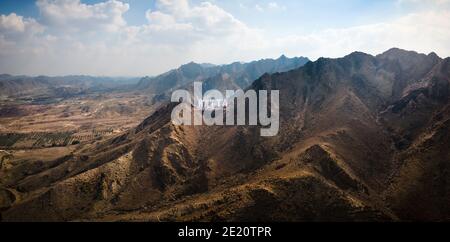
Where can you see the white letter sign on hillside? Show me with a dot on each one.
(236, 106)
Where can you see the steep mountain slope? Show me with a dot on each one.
(420, 188)
(361, 138)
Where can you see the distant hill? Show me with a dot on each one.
(16, 86)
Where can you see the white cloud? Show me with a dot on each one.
(205, 20)
(275, 6)
(13, 24)
(76, 38)
(76, 16)
(424, 32)
(259, 8)
(95, 39)
(269, 7)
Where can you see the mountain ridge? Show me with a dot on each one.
(196, 72)
(355, 136)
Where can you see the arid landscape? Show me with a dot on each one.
(362, 138)
(302, 111)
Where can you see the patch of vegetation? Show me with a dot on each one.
(9, 139)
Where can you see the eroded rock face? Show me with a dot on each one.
(322, 162)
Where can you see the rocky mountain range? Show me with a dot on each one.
(221, 77)
(63, 86)
(362, 138)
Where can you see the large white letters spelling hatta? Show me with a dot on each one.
(209, 108)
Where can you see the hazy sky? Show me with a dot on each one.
(147, 37)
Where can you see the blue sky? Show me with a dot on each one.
(146, 37)
(296, 16)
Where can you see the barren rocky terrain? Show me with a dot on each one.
(362, 138)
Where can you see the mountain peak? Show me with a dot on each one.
(207, 65)
(410, 59)
(394, 49)
(395, 53)
(190, 64)
(358, 54)
(282, 57)
(433, 55)
(5, 76)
